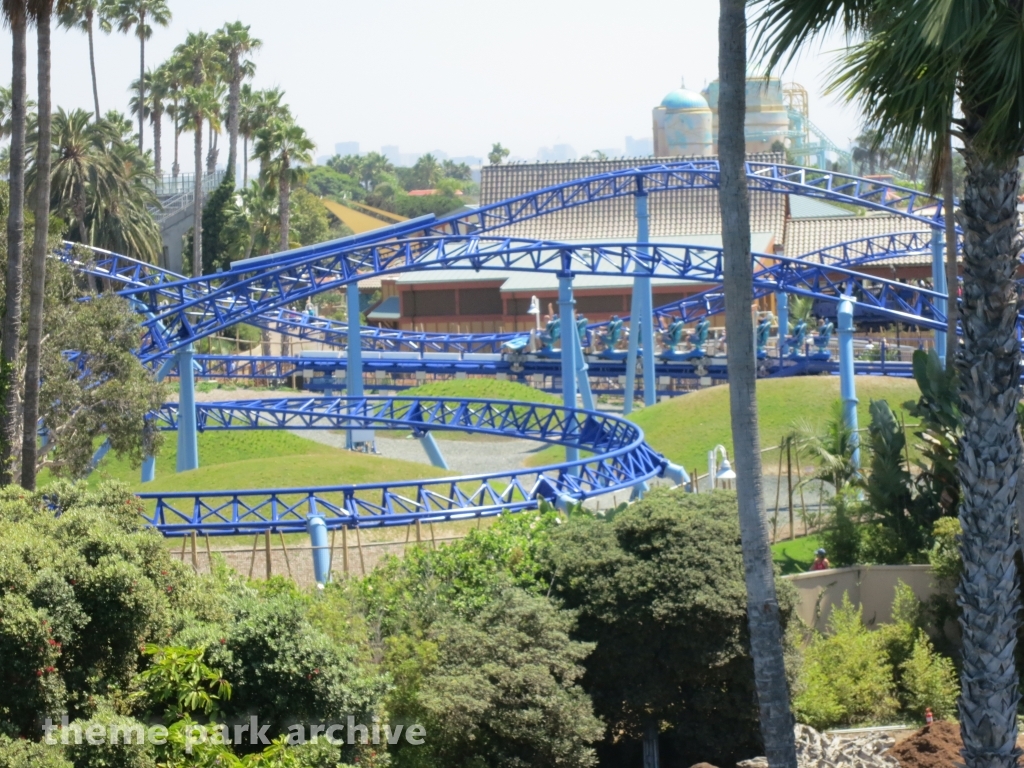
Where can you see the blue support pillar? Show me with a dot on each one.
(647, 323)
(321, 549)
(188, 433)
(636, 319)
(847, 382)
(939, 285)
(149, 462)
(433, 451)
(582, 371)
(568, 323)
(782, 305)
(354, 359)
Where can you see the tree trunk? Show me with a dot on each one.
(142, 78)
(175, 168)
(245, 162)
(988, 364)
(158, 116)
(759, 574)
(92, 68)
(951, 269)
(652, 756)
(29, 446)
(283, 203)
(197, 207)
(233, 97)
(11, 338)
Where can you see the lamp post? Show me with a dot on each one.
(719, 472)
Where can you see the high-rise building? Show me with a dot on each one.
(557, 153)
(344, 148)
(639, 147)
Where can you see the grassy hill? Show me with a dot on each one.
(686, 428)
(491, 389)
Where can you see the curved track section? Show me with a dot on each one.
(620, 460)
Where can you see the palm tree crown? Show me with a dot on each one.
(236, 43)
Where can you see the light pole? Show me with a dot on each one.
(719, 472)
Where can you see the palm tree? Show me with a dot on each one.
(372, 167)
(966, 52)
(283, 148)
(172, 75)
(158, 94)
(81, 14)
(42, 11)
(214, 126)
(268, 105)
(498, 154)
(201, 105)
(141, 109)
(236, 43)
(247, 115)
(79, 163)
(138, 15)
(16, 15)
(763, 616)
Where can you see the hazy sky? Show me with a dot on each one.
(452, 74)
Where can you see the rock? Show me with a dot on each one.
(817, 750)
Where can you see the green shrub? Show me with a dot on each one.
(944, 555)
(127, 752)
(841, 537)
(930, 681)
(21, 753)
(847, 679)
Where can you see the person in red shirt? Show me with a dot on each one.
(821, 562)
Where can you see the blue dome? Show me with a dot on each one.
(684, 99)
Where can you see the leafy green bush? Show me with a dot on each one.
(21, 753)
(856, 676)
(846, 679)
(126, 751)
(660, 590)
(944, 555)
(842, 535)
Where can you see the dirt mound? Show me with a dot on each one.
(935, 746)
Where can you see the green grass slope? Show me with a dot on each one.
(491, 389)
(686, 428)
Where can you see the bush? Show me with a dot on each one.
(107, 754)
(841, 537)
(847, 679)
(930, 681)
(660, 589)
(21, 753)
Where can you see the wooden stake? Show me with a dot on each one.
(800, 485)
(778, 492)
(252, 559)
(359, 544)
(195, 555)
(344, 549)
(284, 549)
(433, 541)
(184, 543)
(209, 554)
(789, 486)
(266, 547)
(330, 558)
(408, 533)
(419, 533)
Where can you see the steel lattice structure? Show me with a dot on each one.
(621, 459)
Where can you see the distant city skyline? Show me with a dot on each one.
(500, 82)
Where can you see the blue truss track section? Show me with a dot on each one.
(178, 314)
(621, 459)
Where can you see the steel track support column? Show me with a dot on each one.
(433, 450)
(188, 434)
(568, 323)
(847, 382)
(317, 529)
(636, 321)
(354, 353)
(149, 462)
(939, 285)
(782, 305)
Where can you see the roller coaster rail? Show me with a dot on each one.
(621, 460)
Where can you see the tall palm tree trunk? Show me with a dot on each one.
(989, 366)
(92, 68)
(29, 446)
(233, 97)
(177, 134)
(197, 206)
(158, 117)
(759, 574)
(284, 201)
(952, 309)
(11, 337)
(245, 161)
(142, 78)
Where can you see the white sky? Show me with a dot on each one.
(453, 75)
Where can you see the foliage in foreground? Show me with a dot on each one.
(856, 676)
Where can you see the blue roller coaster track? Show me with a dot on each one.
(178, 311)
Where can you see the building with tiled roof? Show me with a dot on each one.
(808, 235)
